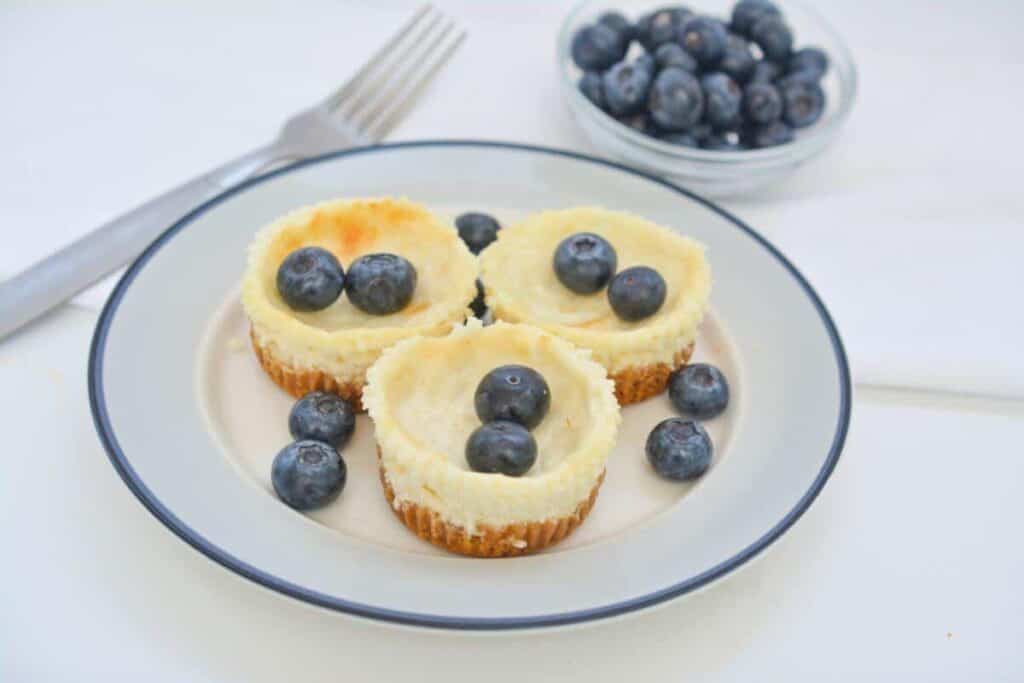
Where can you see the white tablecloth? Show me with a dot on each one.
(909, 564)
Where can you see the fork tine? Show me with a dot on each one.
(401, 60)
(338, 96)
(384, 123)
(380, 98)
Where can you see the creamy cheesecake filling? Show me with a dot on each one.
(341, 339)
(521, 285)
(420, 397)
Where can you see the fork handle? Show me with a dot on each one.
(88, 259)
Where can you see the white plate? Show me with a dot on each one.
(191, 424)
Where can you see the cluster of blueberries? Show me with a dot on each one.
(586, 262)
(312, 278)
(679, 448)
(310, 472)
(510, 401)
(700, 81)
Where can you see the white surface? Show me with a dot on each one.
(909, 227)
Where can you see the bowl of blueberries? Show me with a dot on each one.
(723, 98)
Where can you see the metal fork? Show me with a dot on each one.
(362, 111)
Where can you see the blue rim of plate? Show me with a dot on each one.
(121, 463)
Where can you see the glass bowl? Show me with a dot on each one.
(711, 172)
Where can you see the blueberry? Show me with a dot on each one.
(676, 101)
(477, 230)
(636, 293)
(724, 141)
(380, 284)
(773, 36)
(765, 72)
(670, 54)
(705, 39)
(681, 138)
(811, 60)
(514, 393)
(661, 26)
(625, 87)
(597, 47)
(501, 447)
(617, 22)
(694, 136)
(308, 474)
(646, 63)
(747, 12)
(769, 135)
(321, 416)
(585, 262)
(701, 131)
(699, 390)
(804, 103)
(762, 103)
(802, 76)
(310, 279)
(479, 304)
(737, 63)
(591, 87)
(722, 98)
(679, 449)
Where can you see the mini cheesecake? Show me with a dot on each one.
(521, 286)
(331, 349)
(420, 396)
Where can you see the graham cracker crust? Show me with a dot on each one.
(636, 384)
(504, 541)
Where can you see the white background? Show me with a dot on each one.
(907, 568)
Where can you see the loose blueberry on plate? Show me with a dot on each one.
(617, 22)
(765, 72)
(704, 38)
(747, 12)
(769, 135)
(762, 103)
(804, 102)
(514, 393)
(773, 36)
(597, 47)
(699, 390)
(479, 304)
(321, 416)
(592, 88)
(737, 63)
(501, 447)
(722, 98)
(725, 141)
(636, 293)
(380, 284)
(676, 101)
(308, 474)
(810, 60)
(670, 54)
(679, 449)
(477, 230)
(661, 26)
(585, 262)
(625, 87)
(310, 279)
